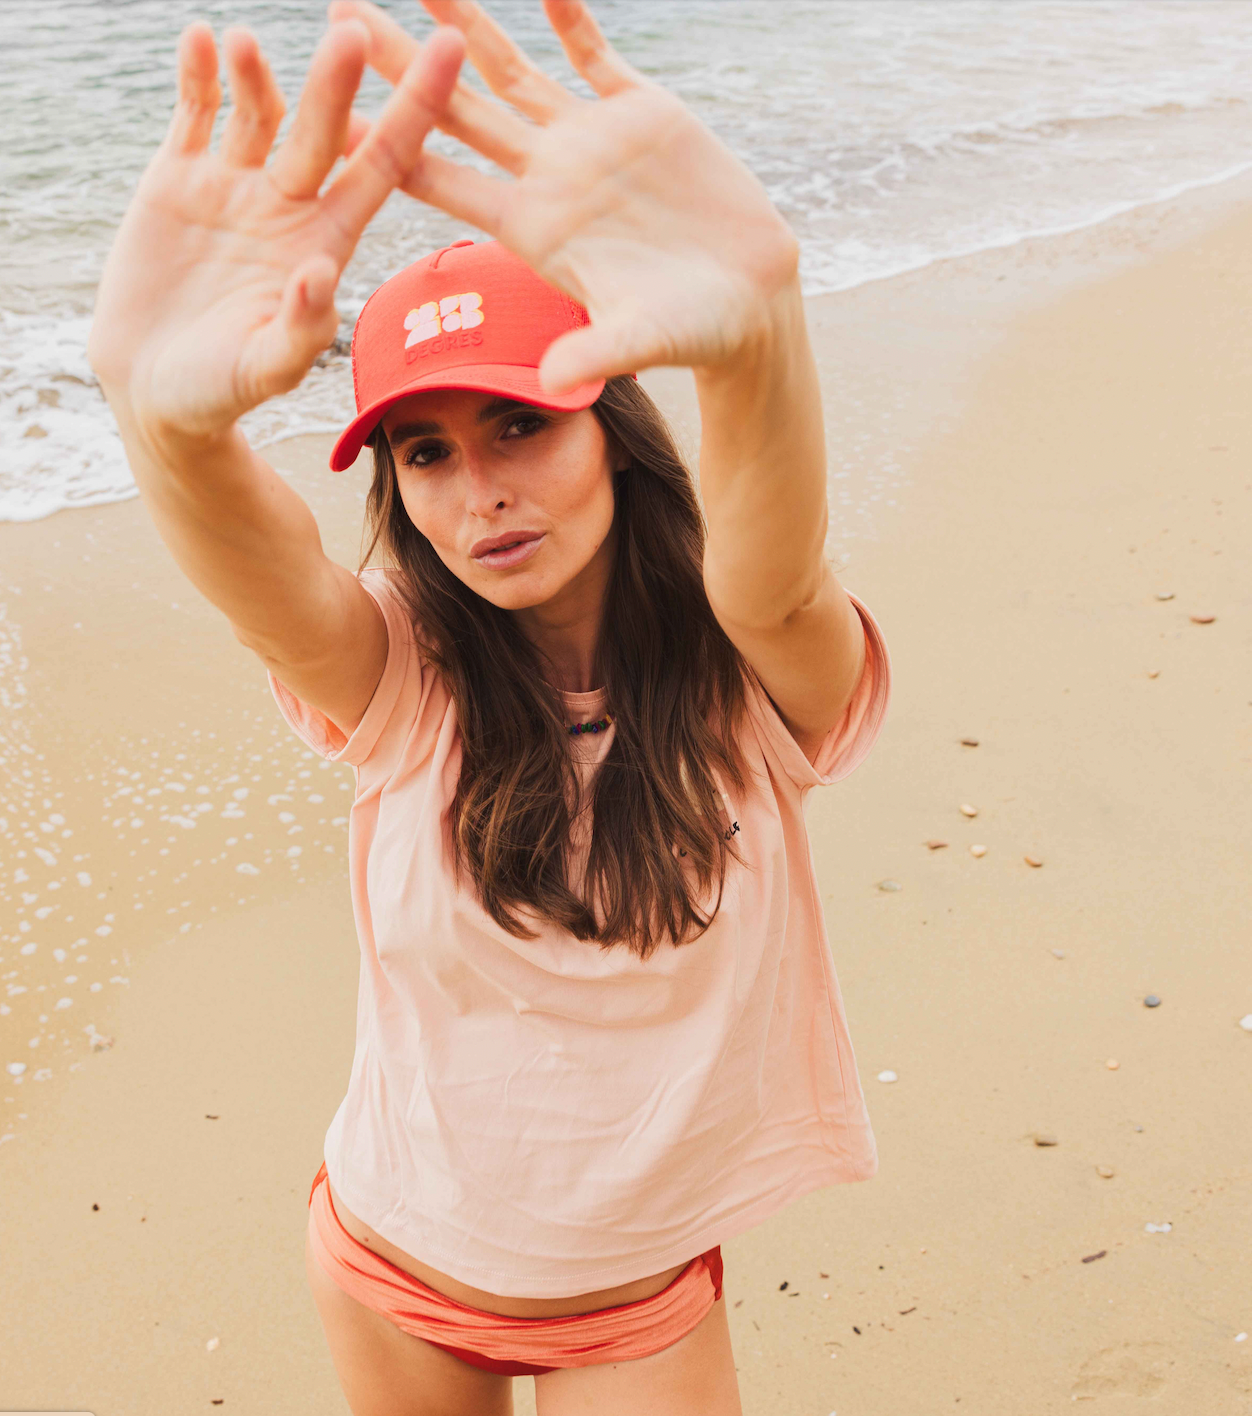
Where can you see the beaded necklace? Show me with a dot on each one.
(597, 727)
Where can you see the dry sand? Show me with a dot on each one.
(1070, 424)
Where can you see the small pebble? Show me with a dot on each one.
(1241, 1337)
(1138, 1127)
(887, 1077)
(1112, 1064)
(968, 810)
(1045, 1138)
(890, 886)
(1246, 1022)
(1157, 1228)
(1164, 594)
(1105, 1170)
(1058, 953)
(1151, 1001)
(969, 742)
(978, 851)
(1033, 860)
(1203, 619)
(936, 845)
(1154, 673)
(213, 1344)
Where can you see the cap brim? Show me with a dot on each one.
(509, 380)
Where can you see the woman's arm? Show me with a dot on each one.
(249, 543)
(631, 205)
(217, 294)
(763, 484)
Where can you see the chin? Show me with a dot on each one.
(520, 592)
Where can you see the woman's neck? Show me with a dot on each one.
(566, 628)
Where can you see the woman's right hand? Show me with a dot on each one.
(218, 292)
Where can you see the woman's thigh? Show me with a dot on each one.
(695, 1376)
(387, 1372)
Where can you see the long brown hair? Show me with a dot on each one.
(660, 837)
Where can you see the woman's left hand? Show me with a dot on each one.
(627, 202)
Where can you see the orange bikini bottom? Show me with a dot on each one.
(513, 1346)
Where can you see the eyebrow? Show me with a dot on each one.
(492, 409)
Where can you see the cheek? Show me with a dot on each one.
(425, 512)
(585, 498)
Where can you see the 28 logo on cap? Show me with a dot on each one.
(454, 312)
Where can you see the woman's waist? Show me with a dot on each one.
(514, 1307)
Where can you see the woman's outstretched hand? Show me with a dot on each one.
(218, 292)
(628, 202)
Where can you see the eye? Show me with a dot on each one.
(522, 425)
(423, 454)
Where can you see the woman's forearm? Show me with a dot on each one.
(239, 532)
(763, 471)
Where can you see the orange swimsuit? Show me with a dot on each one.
(515, 1347)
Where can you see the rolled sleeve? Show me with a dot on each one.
(848, 743)
(316, 730)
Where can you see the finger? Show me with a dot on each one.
(257, 102)
(320, 127)
(460, 191)
(592, 56)
(199, 93)
(470, 117)
(393, 147)
(597, 351)
(358, 126)
(509, 74)
(281, 351)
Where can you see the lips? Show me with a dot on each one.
(499, 543)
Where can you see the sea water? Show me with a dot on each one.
(890, 133)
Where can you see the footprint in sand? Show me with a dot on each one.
(1129, 1369)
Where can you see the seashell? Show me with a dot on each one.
(1033, 860)
(936, 845)
(1112, 1064)
(1105, 1171)
(978, 851)
(1203, 619)
(890, 886)
(967, 810)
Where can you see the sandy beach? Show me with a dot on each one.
(1059, 564)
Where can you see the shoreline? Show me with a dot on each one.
(1049, 408)
(1086, 251)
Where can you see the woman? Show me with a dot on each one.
(598, 1029)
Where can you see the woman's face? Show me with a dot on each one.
(474, 467)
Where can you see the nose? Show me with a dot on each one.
(486, 491)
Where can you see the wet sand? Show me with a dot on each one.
(1069, 431)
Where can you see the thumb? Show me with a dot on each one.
(282, 351)
(598, 351)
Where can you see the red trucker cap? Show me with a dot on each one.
(472, 315)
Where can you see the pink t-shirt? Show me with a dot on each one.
(543, 1118)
